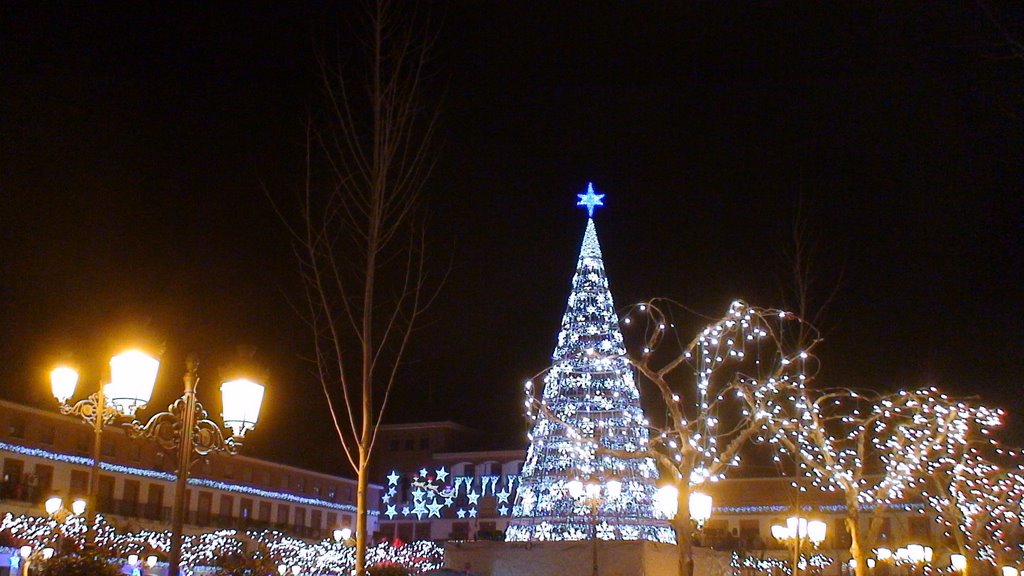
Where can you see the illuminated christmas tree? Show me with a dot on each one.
(571, 486)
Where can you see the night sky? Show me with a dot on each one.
(140, 142)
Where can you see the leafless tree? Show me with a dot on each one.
(358, 237)
(976, 489)
(718, 390)
(872, 448)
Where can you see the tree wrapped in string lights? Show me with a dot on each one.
(590, 399)
(718, 389)
(976, 489)
(873, 448)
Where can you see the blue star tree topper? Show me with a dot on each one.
(591, 200)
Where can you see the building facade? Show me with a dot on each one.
(448, 494)
(47, 454)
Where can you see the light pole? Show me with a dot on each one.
(186, 428)
(132, 376)
(795, 532)
(593, 495)
(56, 509)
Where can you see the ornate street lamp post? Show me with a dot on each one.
(593, 495)
(795, 532)
(187, 429)
(132, 376)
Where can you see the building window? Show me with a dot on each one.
(79, 483)
(245, 509)
(155, 502)
(300, 485)
(135, 452)
(332, 493)
(346, 494)
(16, 428)
(282, 515)
(286, 482)
(247, 474)
(265, 511)
(82, 441)
(109, 448)
(409, 444)
(316, 522)
(316, 489)
(227, 507)
(332, 520)
(393, 445)
(424, 443)
(47, 435)
(228, 473)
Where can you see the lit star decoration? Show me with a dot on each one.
(431, 497)
(591, 200)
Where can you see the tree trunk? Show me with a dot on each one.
(684, 532)
(857, 545)
(362, 500)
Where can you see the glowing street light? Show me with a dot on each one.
(185, 428)
(133, 375)
(798, 530)
(342, 534)
(958, 562)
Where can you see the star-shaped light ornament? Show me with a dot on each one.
(391, 513)
(434, 509)
(442, 474)
(393, 477)
(461, 513)
(591, 199)
(472, 512)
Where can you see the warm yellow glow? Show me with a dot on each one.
(666, 500)
(816, 530)
(132, 377)
(928, 553)
(871, 563)
(883, 554)
(47, 553)
(780, 532)
(915, 552)
(63, 381)
(281, 569)
(1010, 571)
(700, 507)
(78, 507)
(52, 505)
(853, 563)
(25, 551)
(242, 401)
(958, 562)
(796, 526)
(593, 490)
(150, 561)
(133, 559)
